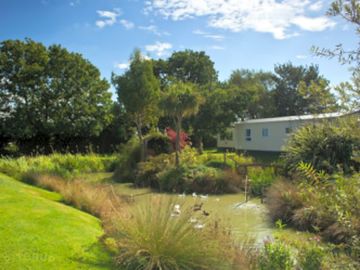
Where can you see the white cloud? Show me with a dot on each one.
(108, 18)
(278, 17)
(154, 29)
(124, 65)
(216, 47)
(313, 24)
(127, 24)
(208, 35)
(159, 48)
(317, 6)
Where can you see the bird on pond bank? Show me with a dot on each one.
(205, 213)
(176, 211)
(197, 206)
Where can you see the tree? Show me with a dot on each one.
(191, 66)
(289, 80)
(139, 91)
(255, 87)
(50, 93)
(180, 101)
(317, 97)
(349, 10)
(348, 92)
(215, 115)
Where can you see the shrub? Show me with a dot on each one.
(261, 179)
(153, 238)
(311, 258)
(328, 146)
(129, 156)
(147, 173)
(158, 143)
(275, 256)
(282, 200)
(201, 179)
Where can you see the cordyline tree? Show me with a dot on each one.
(181, 100)
(193, 67)
(139, 91)
(49, 93)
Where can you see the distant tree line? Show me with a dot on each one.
(55, 100)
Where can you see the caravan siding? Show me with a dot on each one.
(270, 136)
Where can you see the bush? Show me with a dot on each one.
(328, 146)
(275, 256)
(129, 156)
(311, 258)
(153, 238)
(282, 200)
(261, 179)
(158, 143)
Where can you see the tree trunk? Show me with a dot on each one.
(201, 145)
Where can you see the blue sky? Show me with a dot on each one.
(252, 34)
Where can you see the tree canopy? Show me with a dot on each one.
(138, 91)
(50, 92)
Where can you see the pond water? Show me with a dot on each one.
(244, 219)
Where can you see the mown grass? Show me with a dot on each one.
(37, 232)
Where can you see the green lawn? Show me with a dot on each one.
(37, 232)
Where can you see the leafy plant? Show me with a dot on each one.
(327, 146)
(275, 256)
(311, 258)
(261, 179)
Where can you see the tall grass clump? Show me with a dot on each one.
(157, 238)
(99, 200)
(64, 165)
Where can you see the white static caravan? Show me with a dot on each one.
(267, 134)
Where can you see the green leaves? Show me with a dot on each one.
(139, 91)
(50, 92)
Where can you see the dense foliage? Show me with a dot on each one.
(49, 94)
(328, 146)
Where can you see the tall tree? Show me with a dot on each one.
(288, 100)
(189, 66)
(139, 92)
(255, 87)
(180, 101)
(50, 93)
(192, 66)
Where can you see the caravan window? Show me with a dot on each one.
(248, 134)
(288, 130)
(265, 132)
